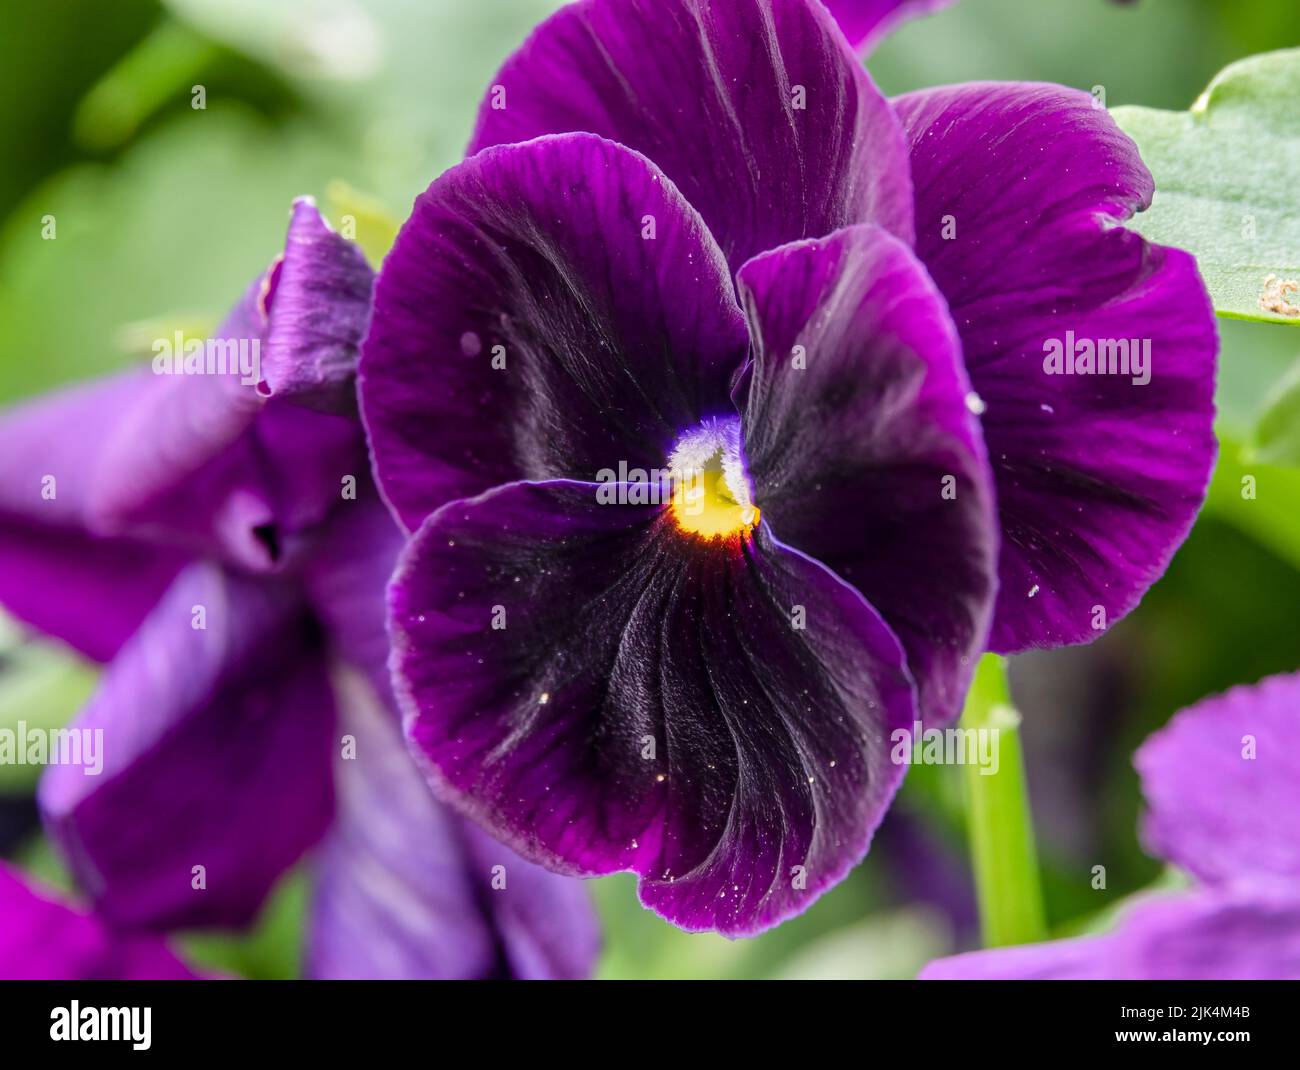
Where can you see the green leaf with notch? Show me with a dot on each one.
(1228, 184)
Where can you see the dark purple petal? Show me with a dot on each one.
(607, 343)
(1244, 934)
(862, 450)
(606, 691)
(1019, 188)
(215, 745)
(1222, 784)
(756, 109)
(318, 315)
(865, 22)
(42, 939)
(405, 886)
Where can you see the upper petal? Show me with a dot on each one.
(316, 316)
(549, 310)
(1222, 784)
(861, 446)
(1018, 191)
(42, 939)
(756, 109)
(607, 692)
(405, 887)
(212, 732)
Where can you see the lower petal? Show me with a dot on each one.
(607, 692)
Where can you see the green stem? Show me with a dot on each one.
(999, 823)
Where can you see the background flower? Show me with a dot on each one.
(1221, 782)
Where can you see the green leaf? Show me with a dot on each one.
(1258, 499)
(1277, 434)
(1226, 187)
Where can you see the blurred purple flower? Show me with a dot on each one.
(695, 236)
(215, 538)
(1222, 784)
(42, 939)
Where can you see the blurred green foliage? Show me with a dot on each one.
(165, 212)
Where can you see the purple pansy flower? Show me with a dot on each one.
(693, 238)
(46, 940)
(1222, 785)
(215, 538)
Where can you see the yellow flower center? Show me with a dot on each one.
(711, 493)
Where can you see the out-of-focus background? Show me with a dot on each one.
(165, 211)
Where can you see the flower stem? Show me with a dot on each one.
(999, 824)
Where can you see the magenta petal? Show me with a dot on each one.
(865, 22)
(549, 310)
(756, 109)
(215, 745)
(606, 692)
(862, 450)
(1019, 188)
(1243, 934)
(42, 939)
(405, 886)
(1222, 784)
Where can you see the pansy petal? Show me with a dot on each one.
(345, 576)
(405, 889)
(212, 733)
(549, 310)
(756, 109)
(55, 574)
(226, 460)
(1244, 934)
(544, 922)
(861, 447)
(1222, 784)
(317, 317)
(45, 940)
(865, 22)
(605, 692)
(1019, 188)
